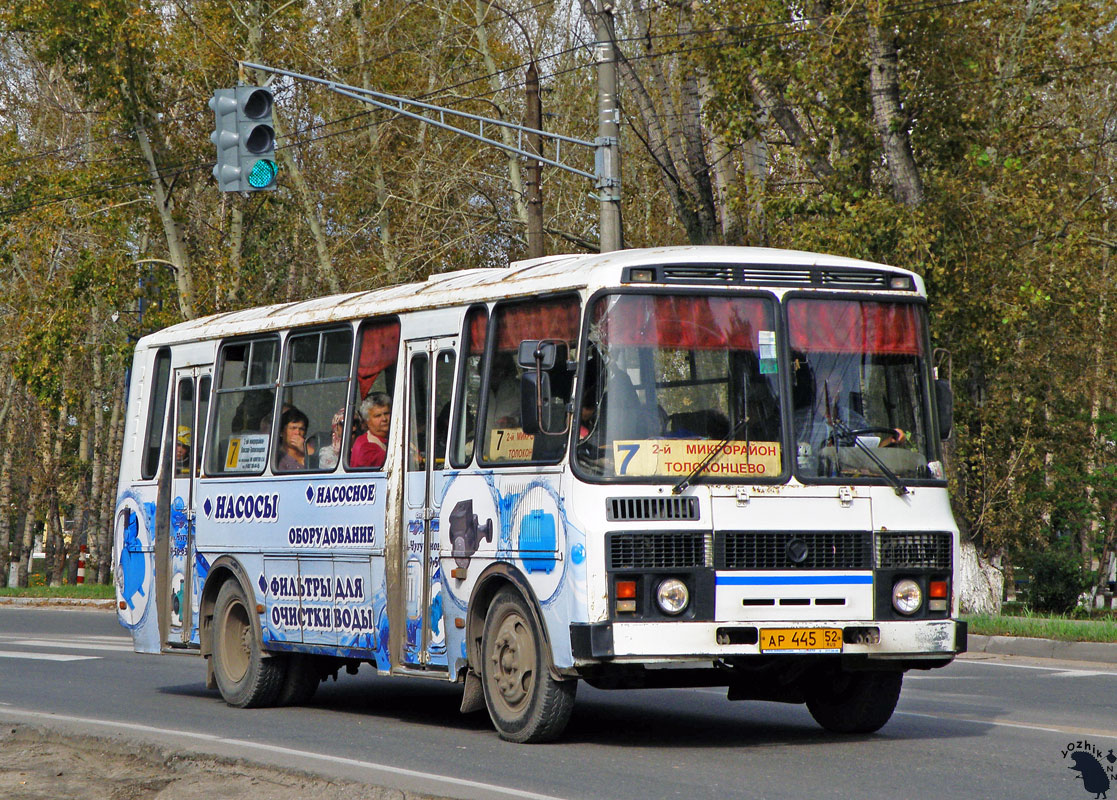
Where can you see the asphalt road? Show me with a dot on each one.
(992, 727)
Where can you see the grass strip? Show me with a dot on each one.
(1061, 628)
(84, 591)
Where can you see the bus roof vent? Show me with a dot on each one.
(849, 277)
(769, 275)
(665, 509)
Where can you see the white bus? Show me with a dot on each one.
(675, 467)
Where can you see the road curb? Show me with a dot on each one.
(52, 602)
(1104, 652)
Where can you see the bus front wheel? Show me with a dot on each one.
(854, 702)
(244, 676)
(526, 703)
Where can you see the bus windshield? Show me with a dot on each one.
(858, 375)
(669, 380)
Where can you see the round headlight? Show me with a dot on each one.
(672, 596)
(907, 597)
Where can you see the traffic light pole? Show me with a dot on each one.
(608, 142)
(606, 175)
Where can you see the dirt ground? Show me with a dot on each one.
(38, 764)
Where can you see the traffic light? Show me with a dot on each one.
(244, 138)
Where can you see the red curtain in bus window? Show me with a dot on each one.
(688, 323)
(379, 349)
(549, 319)
(854, 326)
(478, 327)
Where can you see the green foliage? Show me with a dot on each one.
(1057, 579)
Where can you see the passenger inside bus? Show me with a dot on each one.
(328, 456)
(371, 449)
(504, 392)
(293, 451)
(182, 451)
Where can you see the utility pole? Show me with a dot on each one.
(534, 121)
(608, 155)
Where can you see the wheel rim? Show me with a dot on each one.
(512, 663)
(236, 642)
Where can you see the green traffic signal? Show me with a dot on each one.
(245, 139)
(262, 174)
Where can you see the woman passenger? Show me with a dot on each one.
(371, 449)
(292, 440)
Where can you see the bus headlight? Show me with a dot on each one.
(907, 597)
(672, 596)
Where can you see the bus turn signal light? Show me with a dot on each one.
(937, 589)
(626, 590)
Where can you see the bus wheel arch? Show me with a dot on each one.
(246, 675)
(510, 655)
(232, 641)
(495, 578)
(223, 569)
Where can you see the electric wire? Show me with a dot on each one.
(298, 140)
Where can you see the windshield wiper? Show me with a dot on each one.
(844, 431)
(685, 482)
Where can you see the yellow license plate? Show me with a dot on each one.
(810, 639)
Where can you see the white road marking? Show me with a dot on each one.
(45, 656)
(1020, 725)
(123, 648)
(489, 789)
(1068, 671)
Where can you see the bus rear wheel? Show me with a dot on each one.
(526, 703)
(854, 702)
(245, 677)
(300, 682)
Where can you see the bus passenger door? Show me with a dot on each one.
(179, 606)
(431, 368)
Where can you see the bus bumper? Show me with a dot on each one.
(635, 642)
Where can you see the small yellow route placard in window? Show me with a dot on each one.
(510, 444)
(247, 453)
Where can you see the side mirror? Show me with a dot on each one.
(535, 402)
(544, 354)
(539, 358)
(944, 400)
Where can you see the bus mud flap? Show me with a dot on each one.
(473, 698)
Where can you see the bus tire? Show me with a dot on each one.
(300, 681)
(526, 703)
(854, 702)
(245, 678)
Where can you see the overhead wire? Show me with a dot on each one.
(174, 170)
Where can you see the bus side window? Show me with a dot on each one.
(469, 385)
(315, 385)
(504, 440)
(244, 402)
(375, 381)
(157, 413)
(203, 414)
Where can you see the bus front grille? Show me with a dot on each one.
(793, 550)
(658, 550)
(913, 550)
(667, 509)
